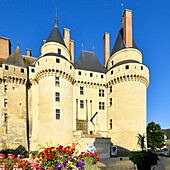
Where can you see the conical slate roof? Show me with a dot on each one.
(55, 36)
(119, 44)
(15, 59)
(88, 61)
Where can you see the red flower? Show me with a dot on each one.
(2, 156)
(11, 156)
(59, 148)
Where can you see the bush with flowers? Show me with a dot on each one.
(12, 163)
(52, 158)
(62, 158)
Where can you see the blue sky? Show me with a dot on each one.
(30, 22)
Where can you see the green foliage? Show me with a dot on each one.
(155, 136)
(144, 157)
(141, 141)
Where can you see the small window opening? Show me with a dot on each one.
(91, 74)
(6, 67)
(57, 113)
(79, 72)
(81, 104)
(22, 70)
(110, 123)
(59, 51)
(57, 60)
(127, 67)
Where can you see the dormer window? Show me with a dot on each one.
(59, 51)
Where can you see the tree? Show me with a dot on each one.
(155, 136)
(141, 141)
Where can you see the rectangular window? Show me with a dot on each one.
(91, 74)
(101, 93)
(6, 67)
(127, 67)
(70, 67)
(112, 72)
(32, 70)
(112, 63)
(102, 76)
(141, 67)
(57, 81)
(101, 106)
(81, 104)
(110, 102)
(81, 90)
(57, 113)
(57, 60)
(79, 72)
(22, 70)
(5, 102)
(59, 51)
(57, 97)
(110, 123)
(5, 88)
(110, 89)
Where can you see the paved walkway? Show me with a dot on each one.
(126, 164)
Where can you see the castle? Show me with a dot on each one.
(58, 100)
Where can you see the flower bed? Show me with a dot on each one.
(52, 158)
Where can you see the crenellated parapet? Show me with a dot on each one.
(126, 78)
(54, 72)
(89, 84)
(13, 79)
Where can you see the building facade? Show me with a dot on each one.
(54, 99)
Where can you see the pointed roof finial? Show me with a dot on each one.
(56, 22)
(82, 47)
(122, 12)
(93, 49)
(18, 44)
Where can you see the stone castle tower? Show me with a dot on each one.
(53, 99)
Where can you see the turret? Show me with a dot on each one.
(55, 43)
(127, 81)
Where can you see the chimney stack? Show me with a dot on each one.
(127, 28)
(106, 47)
(5, 47)
(72, 50)
(28, 52)
(67, 37)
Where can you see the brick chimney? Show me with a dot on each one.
(5, 47)
(72, 50)
(127, 28)
(106, 47)
(28, 52)
(67, 37)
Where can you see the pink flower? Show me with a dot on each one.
(2, 156)
(34, 165)
(11, 156)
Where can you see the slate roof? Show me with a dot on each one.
(119, 44)
(55, 36)
(16, 59)
(88, 61)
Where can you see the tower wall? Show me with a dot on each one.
(51, 129)
(52, 47)
(127, 114)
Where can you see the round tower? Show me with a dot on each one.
(54, 74)
(127, 82)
